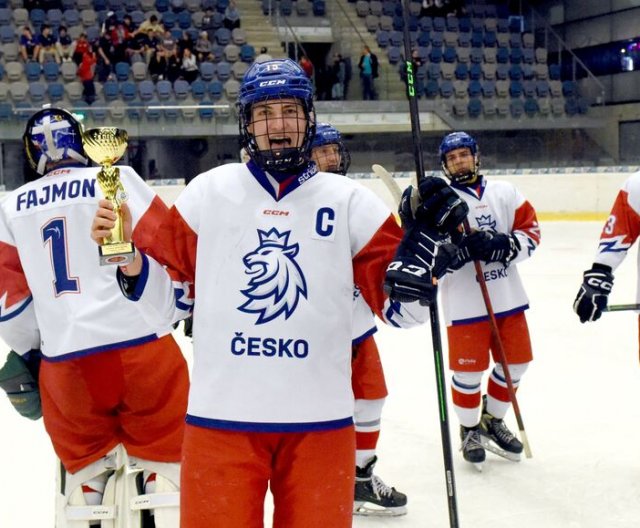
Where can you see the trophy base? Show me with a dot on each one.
(119, 253)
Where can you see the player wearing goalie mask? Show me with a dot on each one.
(372, 496)
(504, 231)
(270, 251)
(112, 387)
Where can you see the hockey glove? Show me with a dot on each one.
(436, 205)
(422, 257)
(594, 293)
(19, 379)
(488, 246)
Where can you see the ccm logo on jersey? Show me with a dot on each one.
(275, 212)
(273, 82)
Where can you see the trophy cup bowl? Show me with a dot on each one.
(105, 146)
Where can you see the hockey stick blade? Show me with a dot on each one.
(388, 181)
(622, 308)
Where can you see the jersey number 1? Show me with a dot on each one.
(55, 232)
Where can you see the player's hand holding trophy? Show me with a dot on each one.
(105, 146)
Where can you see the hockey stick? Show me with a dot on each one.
(502, 357)
(434, 319)
(391, 184)
(622, 308)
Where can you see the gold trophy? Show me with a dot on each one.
(105, 146)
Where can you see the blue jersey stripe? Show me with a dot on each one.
(266, 427)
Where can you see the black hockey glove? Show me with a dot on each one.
(594, 293)
(421, 258)
(488, 246)
(437, 205)
(19, 379)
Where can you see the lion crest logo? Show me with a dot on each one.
(276, 282)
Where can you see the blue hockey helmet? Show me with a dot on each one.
(268, 81)
(53, 138)
(327, 134)
(458, 140)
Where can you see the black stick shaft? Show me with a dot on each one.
(622, 308)
(433, 310)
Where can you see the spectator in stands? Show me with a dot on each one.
(157, 65)
(66, 46)
(209, 23)
(348, 70)
(153, 24)
(105, 58)
(29, 47)
(263, 56)
(80, 46)
(110, 21)
(231, 16)
(339, 73)
(189, 66)
(86, 73)
(174, 66)
(203, 47)
(149, 41)
(168, 43)
(306, 65)
(184, 43)
(128, 23)
(119, 40)
(136, 50)
(368, 66)
(48, 43)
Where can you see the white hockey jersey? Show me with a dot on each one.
(274, 268)
(622, 227)
(497, 206)
(54, 295)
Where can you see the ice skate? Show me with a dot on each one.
(496, 437)
(472, 450)
(373, 497)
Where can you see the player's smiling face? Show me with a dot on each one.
(460, 161)
(327, 157)
(278, 124)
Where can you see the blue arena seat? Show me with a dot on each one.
(164, 90)
(55, 91)
(128, 91)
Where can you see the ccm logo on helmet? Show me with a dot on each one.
(273, 82)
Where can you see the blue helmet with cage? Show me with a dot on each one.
(458, 140)
(327, 134)
(52, 139)
(270, 81)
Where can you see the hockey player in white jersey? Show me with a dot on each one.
(113, 387)
(270, 251)
(372, 496)
(618, 235)
(504, 231)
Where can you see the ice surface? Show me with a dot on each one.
(579, 400)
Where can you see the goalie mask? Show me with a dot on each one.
(277, 120)
(328, 150)
(461, 170)
(53, 139)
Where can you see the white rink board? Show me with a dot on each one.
(570, 193)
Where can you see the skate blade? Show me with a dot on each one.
(368, 509)
(490, 446)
